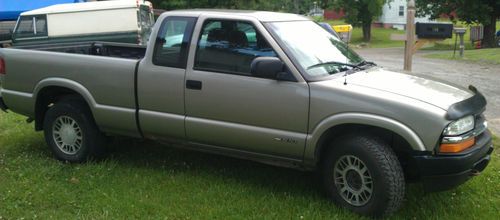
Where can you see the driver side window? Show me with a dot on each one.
(230, 46)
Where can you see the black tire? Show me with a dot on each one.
(384, 172)
(91, 142)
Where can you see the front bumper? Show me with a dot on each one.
(443, 172)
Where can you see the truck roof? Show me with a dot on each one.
(83, 6)
(264, 16)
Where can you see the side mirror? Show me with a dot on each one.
(266, 67)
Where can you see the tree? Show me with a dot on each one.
(294, 6)
(358, 12)
(484, 12)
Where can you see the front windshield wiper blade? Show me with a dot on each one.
(332, 62)
(365, 63)
(360, 66)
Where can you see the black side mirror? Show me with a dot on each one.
(266, 67)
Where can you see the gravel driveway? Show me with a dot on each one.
(485, 77)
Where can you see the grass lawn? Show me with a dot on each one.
(483, 55)
(381, 38)
(146, 180)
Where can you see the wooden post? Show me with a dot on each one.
(410, 34)
(462, 45)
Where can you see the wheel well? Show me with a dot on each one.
(399, 145)
(48, 96)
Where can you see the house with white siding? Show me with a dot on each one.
(394, 15)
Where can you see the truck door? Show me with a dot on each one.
(161, 80)
(227, 106)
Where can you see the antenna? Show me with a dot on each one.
(346, 56)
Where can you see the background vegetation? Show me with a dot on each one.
(488, 56)
(381, 37)
(294, 6)
(361, 13)
(485, 12)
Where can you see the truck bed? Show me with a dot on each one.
(108, 79)
(95, 48)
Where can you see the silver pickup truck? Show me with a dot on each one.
(272, 87)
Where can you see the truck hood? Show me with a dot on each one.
(433, 91)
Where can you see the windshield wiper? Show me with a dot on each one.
(360, 66)
(332, 62)
(365, 63)
(355, 67)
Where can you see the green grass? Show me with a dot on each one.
(491, 56)
(381, 38)
(145, 180)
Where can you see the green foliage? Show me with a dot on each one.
(358, 12)
(318, 18)
(295, 6)
(484, 12)
(470, 11)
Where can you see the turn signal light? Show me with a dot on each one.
(457, 147)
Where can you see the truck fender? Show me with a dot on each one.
(362, 119)
(65, 83)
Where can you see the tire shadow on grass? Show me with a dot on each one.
(138, 153)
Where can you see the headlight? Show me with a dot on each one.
(460, 126)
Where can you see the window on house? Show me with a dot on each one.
(401, 11)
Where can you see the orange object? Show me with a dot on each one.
(478, 45)
(457, 147)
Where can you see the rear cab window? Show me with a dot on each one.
(172, 42)
(31, 26)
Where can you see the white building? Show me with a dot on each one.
(394, 15)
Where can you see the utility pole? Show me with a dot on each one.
(410, 34)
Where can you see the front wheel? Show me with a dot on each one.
(363, 174)
(70, 131)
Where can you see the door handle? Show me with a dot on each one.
(193, 84)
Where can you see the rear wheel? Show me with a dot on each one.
(363, 174)
(70, 131)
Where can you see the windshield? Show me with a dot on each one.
(318, 52)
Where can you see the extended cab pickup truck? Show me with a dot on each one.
(271, 87)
